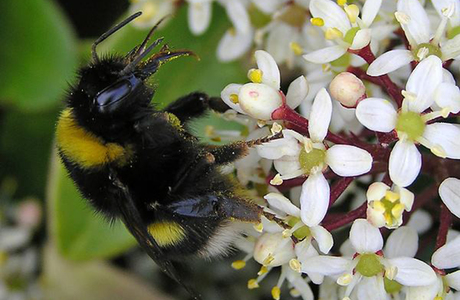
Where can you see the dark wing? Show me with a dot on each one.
(133, 221)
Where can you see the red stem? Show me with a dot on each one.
(339, 187)
(446, 222)
(349, 217)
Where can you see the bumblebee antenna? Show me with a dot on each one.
(142, 47)
(110, 32)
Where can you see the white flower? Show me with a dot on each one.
(367, 268)
(343, 26)
(449, 191)
(385, 207)
(152, 12)
(422, 88)
(199, 15)
(297, 155)
(416, 25)
(261, 97)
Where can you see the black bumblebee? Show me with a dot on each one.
(140, 164)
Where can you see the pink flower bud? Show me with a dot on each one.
(347, 89)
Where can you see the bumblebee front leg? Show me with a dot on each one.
(195, 105)
(229, 153)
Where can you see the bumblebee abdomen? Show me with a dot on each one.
(83, 148)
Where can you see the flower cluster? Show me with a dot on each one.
(350, 154)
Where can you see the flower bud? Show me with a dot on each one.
(259, 100)
(272, 249)
(347, 89)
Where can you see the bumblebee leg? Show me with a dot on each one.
(229, 153)
(195, 105)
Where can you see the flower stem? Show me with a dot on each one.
(392, 89)
(349, 217)
(446, 222)
(339, 187)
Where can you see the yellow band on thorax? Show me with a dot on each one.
(84, 148)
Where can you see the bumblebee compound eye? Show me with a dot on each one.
(117, 95)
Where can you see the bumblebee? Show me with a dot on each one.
(141, 165)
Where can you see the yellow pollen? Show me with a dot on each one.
(333, 33)
(295, 265)
(277, 180)
(294, 293)
(238, 264)
(259, 227)
(296, 48)
(253, 284)
(378, 206)
(255, 75)
(209, 130)
(317, 22)
(341, 2)
(234, 98)
(392, 196)
(276, 292)
(438, 151)
(326, 67)
(438, 298)
(276, 128)
(402, 17)
(263, 270)
(269, 259)
(397, 210)
(345, 279)
(352, 12)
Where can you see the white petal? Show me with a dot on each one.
(270, 72)
(376, 191)
(332, 14)
(447, 256)
(297, 92)
(230, 89)
(390, 61)
(288, 165)
(447, 95)
(325, 55)
(445, 135)
(423, 81)
(323, 238)
(376, 114)
(372, 288)
(421, 221)
(423, 292)
(233, 45)
(413, 272)
(326, 265)
(364, 237)
(405, 163)
(267, 6)
(199, 16)
(303, 288)
(283, 204)
(238, 16)
(320, 116)
(451, 48)
(278, 41)
(401, 242)
(278, 148)
(453, 279)
(361, 40)
(449, 191)
(314, 200)
(12, 238)
(418, 27)
(346, 160)
(370, 10)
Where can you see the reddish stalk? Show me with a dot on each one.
(339, 187)
(349, 217)
(446, 222)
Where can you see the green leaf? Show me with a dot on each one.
(37, 56)
(79, 233)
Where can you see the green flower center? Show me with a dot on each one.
(432, 50)
(369, 265)
(391, 286)
(412, 124)
(350, 35)
(258, 18)
(295, 15)
(453, 32)
(312, 159)
(300, 233)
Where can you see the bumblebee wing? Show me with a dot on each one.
(133, 221)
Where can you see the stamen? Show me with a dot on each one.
(422, 53)
(263, 270)
(402, 18)
(234, 98)
(276, 292)
(345, 279)
(317, 22)
(255, 75)
(341, 2)
(392, 196)
(391, 272)
(259, 227)
(352, 12)
(333, 33)
(295, 265)
(269, 259)
(296, 48)
(253, 284)
(276, 128)
(277, 180)
(238, 264)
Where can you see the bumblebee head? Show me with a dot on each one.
(114, 86)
